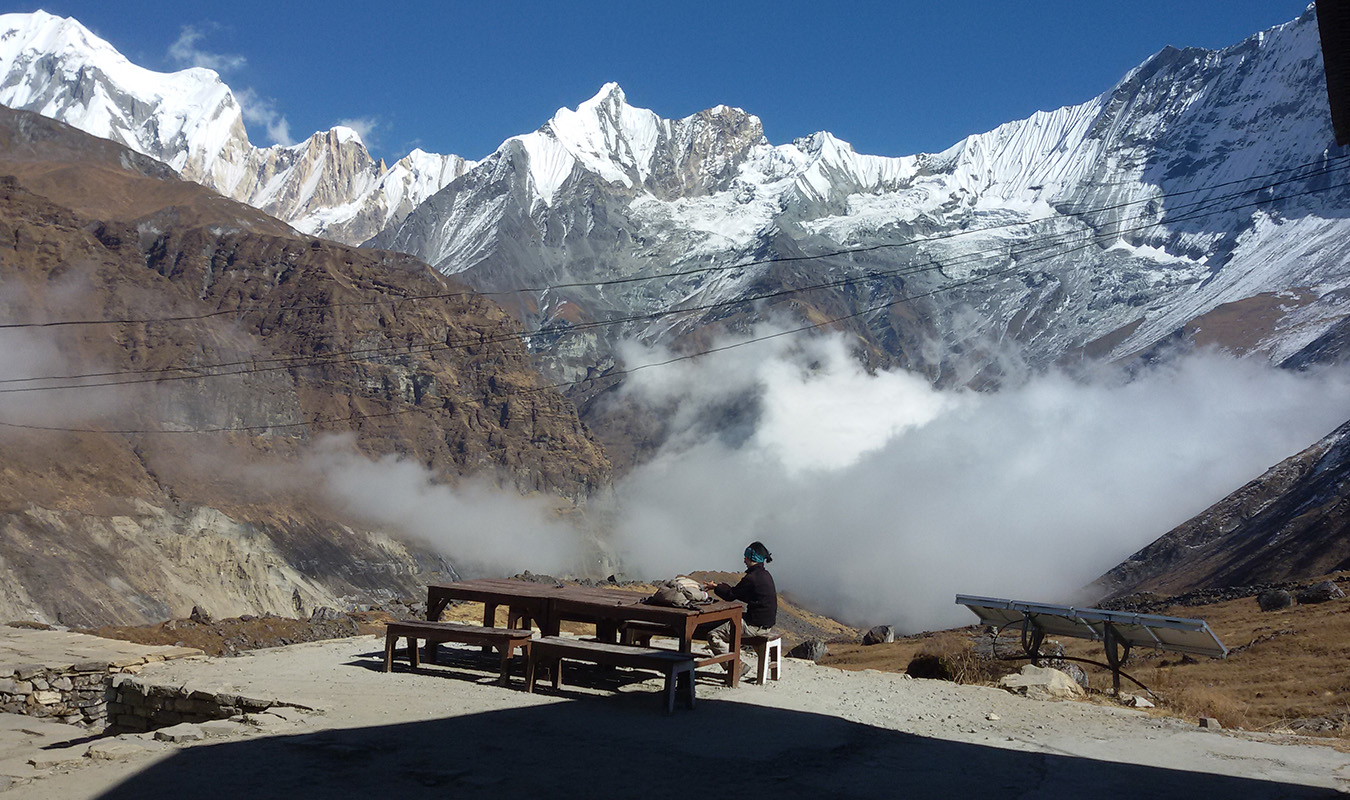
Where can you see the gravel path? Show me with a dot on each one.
(448, 731)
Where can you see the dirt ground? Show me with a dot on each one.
(450, 730)
(1286, 670)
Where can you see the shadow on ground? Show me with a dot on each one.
(622, 746)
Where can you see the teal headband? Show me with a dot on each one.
(758, 558)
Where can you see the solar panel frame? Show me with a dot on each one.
(1175, 634)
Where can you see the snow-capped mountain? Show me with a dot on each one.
(1202, 198)
(327, 185)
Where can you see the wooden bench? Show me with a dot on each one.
(504, 640)
(551, 651)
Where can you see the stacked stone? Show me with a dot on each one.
(138, 707)
(76, 694)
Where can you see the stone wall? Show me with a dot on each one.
(100, 695)
(136, 706)
(76, 694)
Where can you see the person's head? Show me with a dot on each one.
(757, 553)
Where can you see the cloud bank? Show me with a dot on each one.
(482, 528)
(882, 498)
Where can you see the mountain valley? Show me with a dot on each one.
(487, 330)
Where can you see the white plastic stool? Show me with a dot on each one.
(769, 650)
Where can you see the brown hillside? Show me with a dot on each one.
(116, 521)
(1291, 523)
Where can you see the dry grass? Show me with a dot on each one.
(951, 655)
(1287, 670)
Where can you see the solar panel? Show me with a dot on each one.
(1178, 634)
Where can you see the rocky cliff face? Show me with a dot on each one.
(1290, 523)
(268, 340)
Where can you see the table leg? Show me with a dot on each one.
(490, 620)
(550, 625)
(687, 638)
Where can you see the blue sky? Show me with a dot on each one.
(894, 78)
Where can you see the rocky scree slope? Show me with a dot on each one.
(106, 520)
(1290, 523)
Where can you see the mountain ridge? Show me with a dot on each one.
(326, 185)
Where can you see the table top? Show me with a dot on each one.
(505, 591)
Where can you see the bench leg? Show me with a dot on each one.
(530, 673)
(506, 651)
(670, 692)
(390, 640)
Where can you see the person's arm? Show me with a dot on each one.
(728, 592)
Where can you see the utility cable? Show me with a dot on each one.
(1015, 267)
(1325, 166)
(251, 366)
(287, 362)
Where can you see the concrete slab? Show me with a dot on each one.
(118, 749)
(26, 648)
(180, 733)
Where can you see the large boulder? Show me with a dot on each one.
(811, 650)
(1274, 600)
(881, 634)
(1320, 592)
(1042, 683)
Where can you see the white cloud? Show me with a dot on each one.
(263, 111)
(883, 498)
(365, 127)
(482, 528)
(185, 52)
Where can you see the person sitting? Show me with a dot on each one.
(758, 593)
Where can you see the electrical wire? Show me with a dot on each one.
(288, 362)
(1324, 165)
(1202, 209)
(1084, 240)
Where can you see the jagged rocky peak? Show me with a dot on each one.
(637, 149)
(1139, 187)
(327, 185)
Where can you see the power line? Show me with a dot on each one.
(234, 429)
(251, 366)
(1091, 241)
(1324, 167)
(1016, 267)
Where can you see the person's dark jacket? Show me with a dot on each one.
(758, 593)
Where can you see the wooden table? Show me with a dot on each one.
(549, 605)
